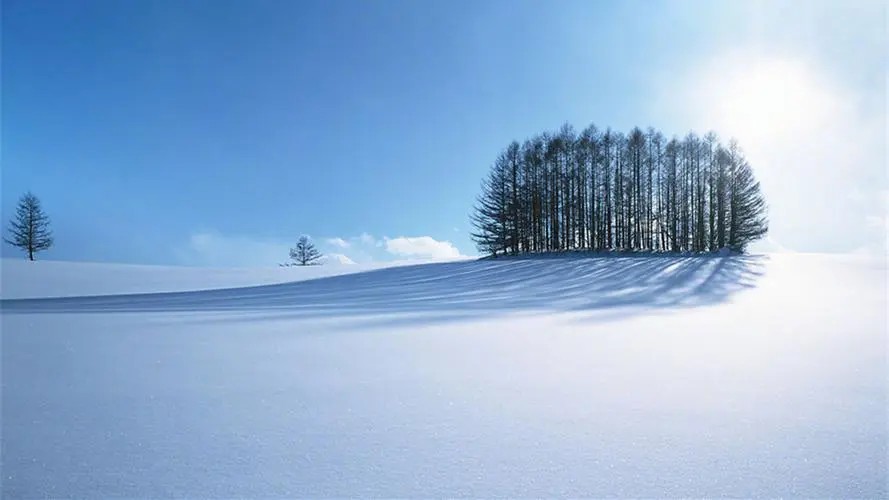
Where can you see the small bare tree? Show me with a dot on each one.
(29, 230)
(305, 253)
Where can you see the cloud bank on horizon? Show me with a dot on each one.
(210, 248)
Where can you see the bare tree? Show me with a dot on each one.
(305, 253)
(29, 230)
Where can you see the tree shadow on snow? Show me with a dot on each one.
(432, 293)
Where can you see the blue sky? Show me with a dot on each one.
(214, 132)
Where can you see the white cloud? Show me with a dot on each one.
(338, 242)
(367, 239)
(421, 247)
(359, 248)
(336, 258)
(213, 249)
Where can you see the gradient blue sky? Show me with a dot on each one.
(215, 132)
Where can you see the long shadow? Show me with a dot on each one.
(455, 290)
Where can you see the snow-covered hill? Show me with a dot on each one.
(21, 278)
(572, 376)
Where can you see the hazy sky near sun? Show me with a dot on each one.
(215, 132)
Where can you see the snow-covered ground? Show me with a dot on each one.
(629, 376)
(20, 278)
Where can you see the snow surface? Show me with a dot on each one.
(20, 278)
(622, 376)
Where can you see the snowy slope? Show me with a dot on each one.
(20, 278)
(664, 376)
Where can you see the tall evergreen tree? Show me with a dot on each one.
(748, 221)
(491, 212)
(29, 230)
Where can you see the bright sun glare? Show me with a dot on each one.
(766, 101)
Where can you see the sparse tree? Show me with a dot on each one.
(305, 253)
(29, 230)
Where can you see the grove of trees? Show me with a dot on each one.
(604, 190)
(29, 230)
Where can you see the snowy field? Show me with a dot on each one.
(629, 376)
(20, 278)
